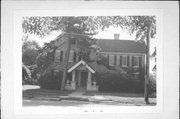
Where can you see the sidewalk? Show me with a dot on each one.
(108, 99)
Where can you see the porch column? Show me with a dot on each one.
(73, 83)
(79, 78)
(89, 76)
(73, 76)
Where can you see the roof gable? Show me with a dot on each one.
(83, 63)
(122, 46)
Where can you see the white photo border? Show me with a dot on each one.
(20, 109)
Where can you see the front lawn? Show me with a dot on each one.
(36, 92)
(36, 95)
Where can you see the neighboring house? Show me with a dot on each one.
(119, 53)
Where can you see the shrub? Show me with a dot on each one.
(51, 80)
(119, 83)
(152, 84)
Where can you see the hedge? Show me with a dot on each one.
(51, 80)
(120, 83)
(152, 84)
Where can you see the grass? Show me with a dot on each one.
(44, 93)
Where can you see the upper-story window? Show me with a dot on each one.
(57, 56)
(73, 41)
(124, 61)
(71, 56)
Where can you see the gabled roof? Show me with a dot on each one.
(122, 46)
(81, 63)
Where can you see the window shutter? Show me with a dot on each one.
(140, 62)
(61, 56)
(74, 58)
(79, 58)
(132, 61)
(108, 59)
(120, 62)
(127, 60)
(114, 60)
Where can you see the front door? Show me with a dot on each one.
(83, 79)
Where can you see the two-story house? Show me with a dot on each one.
(119, 53)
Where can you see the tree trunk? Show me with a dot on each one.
(66, 63)
(146, 92)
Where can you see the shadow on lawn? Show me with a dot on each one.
(30, 93)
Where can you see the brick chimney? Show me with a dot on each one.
(116, 36)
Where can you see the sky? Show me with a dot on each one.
(106, 34)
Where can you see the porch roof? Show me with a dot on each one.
(81, 63)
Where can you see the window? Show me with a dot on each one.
(136, 61)
(71, 56)
(57, 56)
(111, 60)
(124, 61)
(73, 41)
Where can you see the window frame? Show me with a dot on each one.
(71, 56)
(111, 60)
(124, 65)
(137, 65)
(57, 56)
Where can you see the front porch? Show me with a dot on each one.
(80, 78)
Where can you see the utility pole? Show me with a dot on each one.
(146, 91)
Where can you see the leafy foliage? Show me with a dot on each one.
(46, 56)
(119, 83)
(134, 24)
(30, 51)
(51, 80)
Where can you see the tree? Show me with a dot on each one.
(145, 29)
(77, 30)
(30, 51)
(73, 28)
